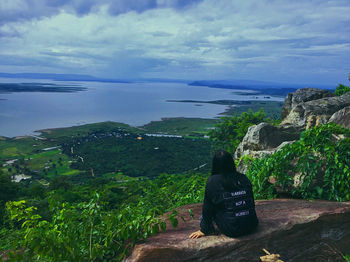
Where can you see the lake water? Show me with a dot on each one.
(131, 103)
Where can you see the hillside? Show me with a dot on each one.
(84, 201)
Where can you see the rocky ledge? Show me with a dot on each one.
(298, 230)
(303, 109)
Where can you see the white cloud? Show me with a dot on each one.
(212, 39)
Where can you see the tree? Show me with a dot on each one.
(9, 191)
(230, 131)
(36, 190)
(60, 182)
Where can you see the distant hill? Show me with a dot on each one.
(262, 87)
(266, 88)
(61, 77)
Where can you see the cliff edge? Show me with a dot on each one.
(298, 230)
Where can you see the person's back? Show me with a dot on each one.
(230, 205)
(228, 200)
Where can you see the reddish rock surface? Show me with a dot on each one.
(298, 230)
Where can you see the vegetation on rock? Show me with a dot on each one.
(230, 131)
(316, 166)
(341, 90)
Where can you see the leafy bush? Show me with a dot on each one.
(321, 161)
(341, 90)
(90, 231)
(230, 131)
(347, 258)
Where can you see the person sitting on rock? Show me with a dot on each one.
(228, 200)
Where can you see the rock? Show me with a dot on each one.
(264, 139)
(303, 109)
(303, 95)
(341, 117)
(297, 230)
(320, 110)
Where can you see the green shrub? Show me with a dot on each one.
(347, 258)
(90, 231)
(316, 153)
(341, 90)
(230, 131)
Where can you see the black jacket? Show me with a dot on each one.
(230, 205)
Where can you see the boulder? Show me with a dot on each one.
(303, 109)
(265, 138)
(303, 95)
(341, 117)
(297, 230)
(319, 111)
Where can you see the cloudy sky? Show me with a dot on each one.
(304, 41)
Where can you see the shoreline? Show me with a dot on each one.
(231, 107)
(40, 132)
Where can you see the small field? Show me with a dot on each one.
(11, 148)
(47, 163)
(181, 126)
(51, 163)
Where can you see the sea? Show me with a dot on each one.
(136, 104)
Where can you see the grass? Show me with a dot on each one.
(49, 159)
(10, 151)
(45, 154)
(70, 172)
(53, 162)
(11, 148)
(181, 126)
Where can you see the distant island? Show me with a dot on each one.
(6, 88)
(217, 102)
(271, 108)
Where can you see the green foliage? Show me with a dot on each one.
(8, 238)
(8, 191)
(231, 130)
(127, 152)
(347, 258)
(321, 160)
(341, 90)
(92, 231)
(181, 126)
